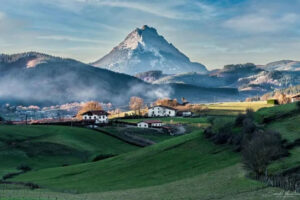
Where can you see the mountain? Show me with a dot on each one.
(269, 80)
(34, 78)
(145, 50)
(247, 78)
(283, 65)
(193, 78)
(40, 79)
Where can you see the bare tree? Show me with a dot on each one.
(261, 150)
(136, 104)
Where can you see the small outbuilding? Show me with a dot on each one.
(99, 116)
(150, 123)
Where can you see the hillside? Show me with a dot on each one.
(283, 65)
(39, 79)
(145, 50)
(195, 167)
(53, 146)
(247, 78)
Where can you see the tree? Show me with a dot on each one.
(167, 102)
(136, 104)
(89, 106)
(282, 98)
(261, 150)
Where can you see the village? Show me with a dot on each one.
(163, 116)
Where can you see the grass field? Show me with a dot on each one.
(187, 167)
(50, 146)
(151, 134)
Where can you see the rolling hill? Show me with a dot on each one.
(53, 146)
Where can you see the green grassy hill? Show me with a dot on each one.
(52, 146)
(183, 167)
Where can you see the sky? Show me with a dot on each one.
(212, 32)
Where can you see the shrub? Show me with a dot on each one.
(102, 157)
(208, 133)
(261, 150)
(298, 104)
(24, 168)
(241, 117)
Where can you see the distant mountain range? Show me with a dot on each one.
(247, 78)
(40, 79)
(144, 50)
(144, 65)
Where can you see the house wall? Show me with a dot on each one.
(142, 125)
(185, 114)
(97, 118)
(156, 124)
(161, 112)
(296, 99)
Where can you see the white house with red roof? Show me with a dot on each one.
(99, 116)
(150, 123)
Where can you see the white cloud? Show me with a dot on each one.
(168, 8)
(70, 39)
(261, 23)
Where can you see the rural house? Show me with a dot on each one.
(295, 98)
(161, 111)
(149, 123)
(100, 116)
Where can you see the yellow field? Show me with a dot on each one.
(239, 106)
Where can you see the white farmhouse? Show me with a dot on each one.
(99, 116)
(150, 123)
(161, 111)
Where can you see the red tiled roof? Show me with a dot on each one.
(295, 96)
(151, 121)
(95, 112)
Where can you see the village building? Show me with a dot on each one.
(185, 113)
(295, 98)
(99, 116)
(149, 124)
(161, 111)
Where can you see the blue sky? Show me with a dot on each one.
(214, 33)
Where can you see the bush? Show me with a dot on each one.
(24, 168)
(261, 150)
(241, 117)
(298, 104)
(208, 133)
(102, 157)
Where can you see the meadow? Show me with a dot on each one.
(176, 168)
(52, 146)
